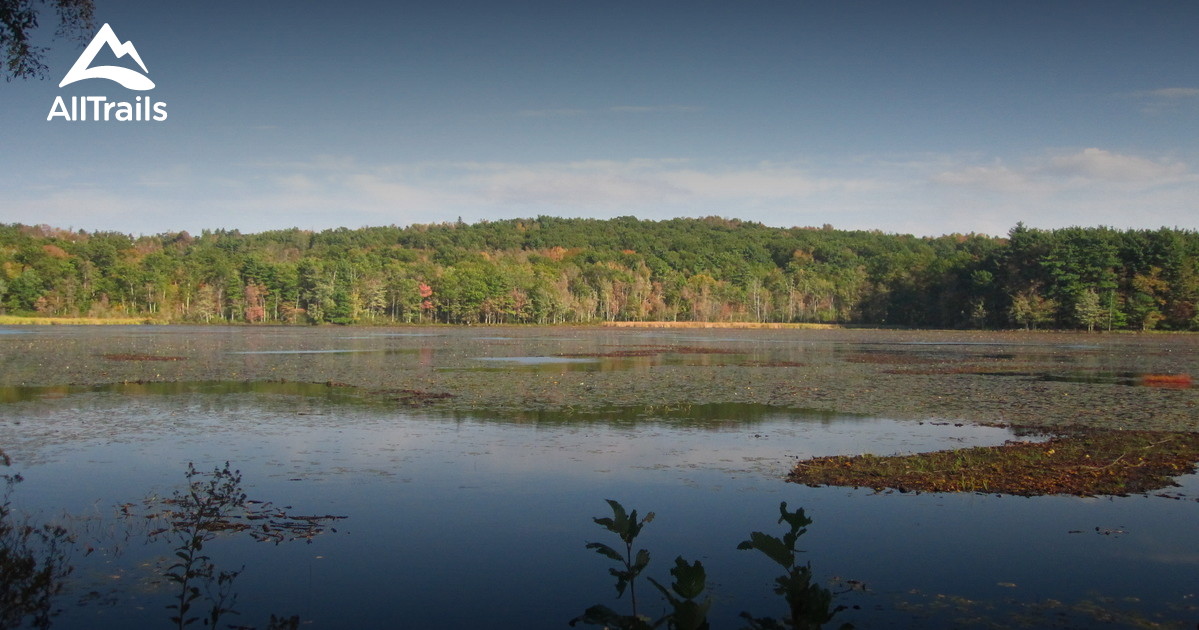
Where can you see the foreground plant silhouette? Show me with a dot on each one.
(627, 527)
(689, 583)
(809, 605)
(198, 515)
(33, 563)
(214, 503)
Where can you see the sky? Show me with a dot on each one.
(915, 117)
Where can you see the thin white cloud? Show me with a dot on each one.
(1166, 100)
(168, 177)
(650, 182)
(1090, 167)
(1098, 165)
(570, 112)
(550, 185)
(560, 112)
(992, 178)
(352, 193)
(763, 183)
(296, 182)
(85, 207)
(384, 194)
(1056, 189)
(653, 109)
(921, 193)
(1175, 92)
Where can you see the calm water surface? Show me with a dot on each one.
(480, 519)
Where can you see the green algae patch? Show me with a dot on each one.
(125, 356)
(1081, 463)
(331, 390)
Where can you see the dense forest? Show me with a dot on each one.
(552, 270)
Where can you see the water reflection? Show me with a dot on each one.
(214, 504)
(523, 361)
(34, 562)
(615, 362)
(443, 502)
(708, 417)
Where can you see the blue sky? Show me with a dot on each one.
(917, 117)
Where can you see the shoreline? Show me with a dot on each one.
(21, 320)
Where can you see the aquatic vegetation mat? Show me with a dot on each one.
(643, 350)
(888, 358)
(140, 357)
(1082, 463)
(413, 397)
(771, 364)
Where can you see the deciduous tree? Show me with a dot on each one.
(19, 21)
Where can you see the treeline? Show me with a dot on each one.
(552, 270)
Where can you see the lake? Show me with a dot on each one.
(468, 482)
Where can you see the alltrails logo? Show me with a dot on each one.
(143, 108)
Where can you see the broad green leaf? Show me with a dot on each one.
(605, 550)
(690, 579)
(621, 519)
(641, 561)
(772, 547)
(797, 519)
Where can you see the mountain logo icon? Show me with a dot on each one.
(83, 69)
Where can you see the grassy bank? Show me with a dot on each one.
(16, 320)
(762, 325)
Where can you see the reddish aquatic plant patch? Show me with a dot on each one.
(648, 351)
(141, 357)
(1082, 463)
(771, 364)
(1166, 380)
